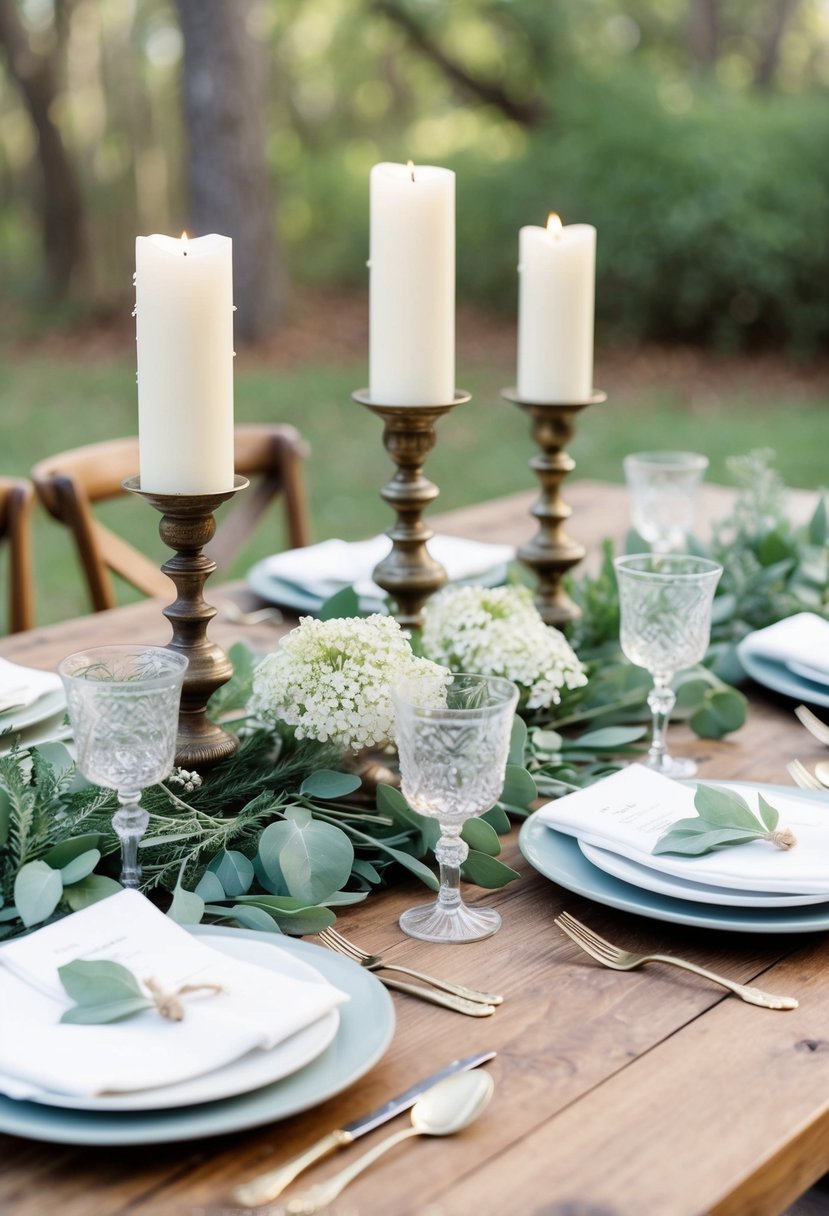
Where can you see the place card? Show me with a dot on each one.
(627, 812)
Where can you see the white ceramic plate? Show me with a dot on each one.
(251, 1071)
(365, 1031)
(44, 707)
(680, 888)
(780, 678)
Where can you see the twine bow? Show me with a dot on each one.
(168, 1004)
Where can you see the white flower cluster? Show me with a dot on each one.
(332, 680)
(498, 631)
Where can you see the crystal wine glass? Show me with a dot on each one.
(665, 605)
(663, 491)
(452, 763)
(123, 704)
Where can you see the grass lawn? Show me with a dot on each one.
(55, 398)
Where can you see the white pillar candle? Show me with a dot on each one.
(412, 285)
(556, 289)
(184, 310)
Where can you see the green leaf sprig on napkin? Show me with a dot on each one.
(723, 819)
(106, 991)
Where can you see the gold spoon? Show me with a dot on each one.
(446, 1108)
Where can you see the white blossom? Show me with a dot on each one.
(332, 680)
(498, 631)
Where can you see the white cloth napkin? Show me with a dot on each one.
(21, 686)
(257, 1009)
(324, 569)
(800, 642)
(627, 812)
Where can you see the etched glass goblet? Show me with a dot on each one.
(452, 763)
(663, 493)
(665, 617)
(123, 704)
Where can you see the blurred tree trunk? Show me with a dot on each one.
(704, 33)
(227, 171)
(37, 76)
(782, 12)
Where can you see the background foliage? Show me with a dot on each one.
(691, 132)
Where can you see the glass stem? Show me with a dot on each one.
(130, 823)
(661, 700)
(451, 853)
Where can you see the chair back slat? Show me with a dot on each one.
(69, 483)
(16, 502)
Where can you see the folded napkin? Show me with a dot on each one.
(257, 1009)
(800, 642)
(22, 686)
(627, 812)
(324, 569)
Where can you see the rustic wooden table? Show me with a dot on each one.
(650, 1092)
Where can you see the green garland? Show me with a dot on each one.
(280, 835)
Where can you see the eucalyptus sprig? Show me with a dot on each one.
(723, 819)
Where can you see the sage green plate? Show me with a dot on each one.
(365, 1031)
(558, 857)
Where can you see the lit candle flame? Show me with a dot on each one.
(554, 225)
(410, 167)
(184, 243)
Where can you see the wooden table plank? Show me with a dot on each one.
(638, 1067)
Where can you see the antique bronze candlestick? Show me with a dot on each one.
(187, 525)
(551, 552)
(409, 574)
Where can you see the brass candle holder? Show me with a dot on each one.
(409, 574)
(187, 525)
(551, 552)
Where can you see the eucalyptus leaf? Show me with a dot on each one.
(486, 871)
(723, 711)
(343, 603)
(818, 524)
(79, 867)
(518, 741)
(234, 871)
(37, 892)
(187, 907)
(366, 870)
(519, 787)
(498, 819)
(61, 854)
(479, 835)
(725, 808)
(329, 784)
(610, 737)
(768, 814)
(694, 844)
(90, 890)
(57, 756)
(106, 1011)
(98, 981)
(251, 917)
(314, 857)
(292, 915)
(209, 887)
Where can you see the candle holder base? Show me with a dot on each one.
(409, 574)
(187, 525)
(551, 552)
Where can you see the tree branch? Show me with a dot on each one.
(525, 113)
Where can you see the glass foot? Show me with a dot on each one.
(436, 923)
(677, 767)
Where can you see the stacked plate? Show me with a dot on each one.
(299, 1072)
(303, 579)
(791, 657)
(597, 842)
(32, 704)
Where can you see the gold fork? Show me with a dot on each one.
(812, 723)
(801, 776)
(373, 962)
(624, 960)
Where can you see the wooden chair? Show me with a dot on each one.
(16, 501)
(70, 482)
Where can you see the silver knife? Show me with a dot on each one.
(266, 1187)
